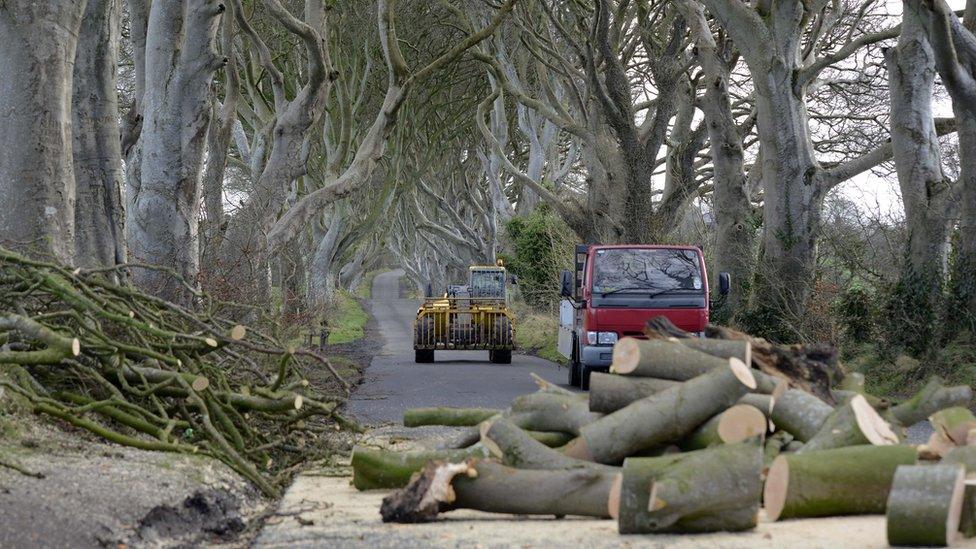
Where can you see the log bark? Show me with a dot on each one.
(661, 359)
(546, 411)
(721, 348)
(925, 504)
(374, 469)
(852, 424)
(966, 456)
(738, 423)
(455, 417)
(800, 413)
(930, 399)
(516, 448)
(703, 491)
(841, 481)
(494, 488)
(610, 392)
(956, 424)
(665, 417)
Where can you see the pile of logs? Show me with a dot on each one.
(100, 355)
(698, 435)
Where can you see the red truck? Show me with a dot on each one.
(616, 289)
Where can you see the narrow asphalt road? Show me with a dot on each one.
(393, 382)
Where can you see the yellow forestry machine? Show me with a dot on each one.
(468, 317)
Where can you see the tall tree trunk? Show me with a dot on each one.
(916, 303)
(954, 45)
(792, 201)
(37, 185)
(99, 211)
(735, 232)
(164, 218)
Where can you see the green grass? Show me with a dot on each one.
(901, 376)
(347, 319)
(536, 333)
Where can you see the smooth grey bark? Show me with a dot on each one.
(37, 186)
(164, 214)
(954, 46)
(223, 122)
(926, 193)
(735, 232)
(97, 153)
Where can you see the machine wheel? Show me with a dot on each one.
(574, 367)
(500, 356)
(585, 372)
(424, 356)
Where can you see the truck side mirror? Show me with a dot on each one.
(429, 290)
(566, 284)
(724, 283)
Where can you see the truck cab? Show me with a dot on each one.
(615, 289)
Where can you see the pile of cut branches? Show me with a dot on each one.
(696, 435)
(147, 373)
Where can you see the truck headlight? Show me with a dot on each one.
(601, 338)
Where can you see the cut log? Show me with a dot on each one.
(738, 423)
(842, 481)
(374, 468)
(495, 488)
(956, 424)
(925, 504)
(543, 411)
(662, 359)
(966, 456)
(610, 392)
(853, 381)
(721, 348)
(454, 417)
(841, 396)
(934, 396)
(515, 448)
(703, 491)
(665, 417)
(800, 413)
(851, 424)
(774, 446)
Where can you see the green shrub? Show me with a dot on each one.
(542, 245)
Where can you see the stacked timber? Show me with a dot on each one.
(688, 435)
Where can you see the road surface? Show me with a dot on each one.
(321, 509)
(393, 382)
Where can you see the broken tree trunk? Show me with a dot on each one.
(663, 359)
(515, 448)
(494, 488)
(800, 413)
(456, 417)
(925, 504)
(966, 456)
(665, 417)
(956, 424)
(842, 481)
(851, 424)
(738, 423)
(934, 396)
(610, 392)
(374, 468)
(703, 491)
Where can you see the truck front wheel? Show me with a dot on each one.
(424, 356)
(500, 356)
(574, 366)
(585, 372)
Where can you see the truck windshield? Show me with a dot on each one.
(643, 270)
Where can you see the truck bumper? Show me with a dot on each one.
(596, 356)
